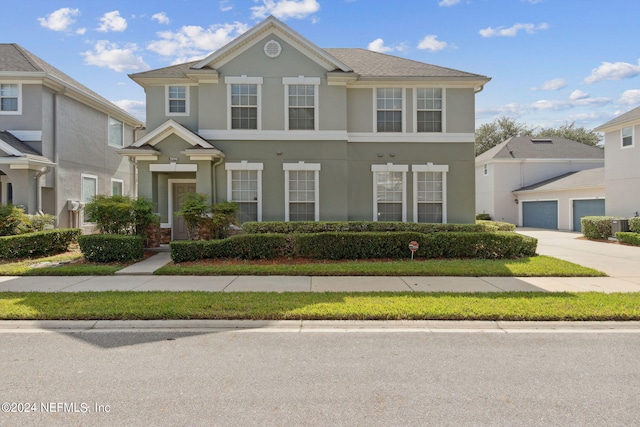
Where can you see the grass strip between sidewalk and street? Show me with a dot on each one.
(319, 306)
(538, 266)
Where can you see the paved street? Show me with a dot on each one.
(322, 376)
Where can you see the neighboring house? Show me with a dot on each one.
(293, 132)
(622, 164)
(59, 139)
(532, 182)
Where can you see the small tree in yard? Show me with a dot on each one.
(223, 215)
(121, 214)
(13, 221)
(199, 215)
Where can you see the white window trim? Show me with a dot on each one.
(633, 137)
(19, 111)
(301, 80)
(430, 167)
(443, 110)
(82, 195)
(233, 80)
(121, 181)
(375, 110)
(390, 167)
(244, 165)
(109, 132)
(302, 166)
(187, 101)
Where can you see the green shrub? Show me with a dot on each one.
(354, 226)
(629, 238)
(492, 226)
(41, 222)
(13, 221)
(483, 217)
(223, 214)
(121, 214)
(111, 247)
(41, 243)
(634, 224)
(345, 245)
(596, 227)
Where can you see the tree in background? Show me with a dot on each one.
(491, 134)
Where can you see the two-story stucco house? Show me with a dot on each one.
(622, 164)
(541, 182)
(294, 132)
(58, 139)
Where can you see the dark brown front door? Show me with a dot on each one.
(180, 190)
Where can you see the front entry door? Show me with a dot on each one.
(180, 190)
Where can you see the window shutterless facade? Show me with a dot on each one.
(627, 137)
(244, 187)
(429, 103)
(117, 187)
(244, 99)
(430, 193)
(389, 192)
(89, 190)
(389, 109)
(301, 97)
(301, 187)
(177, 100)
(10, 98)
(116, 133)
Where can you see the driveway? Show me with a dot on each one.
(619, 261)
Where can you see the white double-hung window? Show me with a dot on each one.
(430, 193)
(89, 190)
(244, 99)
(389, 109)
(10, 98)
(177, 100)
(116, 133)
(244, 187)
(429, 102)
(301, 189)
(627, 137)
(301, 97)
(389, 192)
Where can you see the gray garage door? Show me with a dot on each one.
(540, 214)
(586, 208)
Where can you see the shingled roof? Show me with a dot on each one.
(622, 119)
(528, 147)
(22, 148)
(15, 58)
(587, 178)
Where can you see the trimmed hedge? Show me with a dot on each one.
(111, 247)
(483, 217)
(634, 224)
(596, 227)
(491, 226)
(628, 238)
(281, 227)
(40, 243)
(343, 245)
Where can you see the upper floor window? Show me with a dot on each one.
(627, 136)
(116, 133)
(244, 99)
(10, 98)
(429, 110)
(301, 96)
(389, 106)
(177, 100)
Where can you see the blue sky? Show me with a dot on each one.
(551, 61)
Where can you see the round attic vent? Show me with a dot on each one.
(272, 49)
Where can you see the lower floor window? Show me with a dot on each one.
(301, 191)
(244, 187)
(89, 190)
(390, 190)
(430, 193)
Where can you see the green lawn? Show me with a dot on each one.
(314, 306)
(525, 267)
(66, 264)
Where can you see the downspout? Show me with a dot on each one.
(42, 171)
(134, 180)
(56, 157)
(213, 180)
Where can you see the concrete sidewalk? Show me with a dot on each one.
(316, 284)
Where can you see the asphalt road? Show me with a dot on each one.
(351, 378)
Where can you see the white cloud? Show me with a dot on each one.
(60, 20)
(630, 97)
(432, 43)
(112, 21)
(513, 30)
(161, 17)
(110, 55)
(555, 84)
(135, 108)
(378, 46)
(81, 31)
(576, 99)
(283, 9)
(194, 40)
(225, 6)
(446, 3)
(578, 94)
(613, 71)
